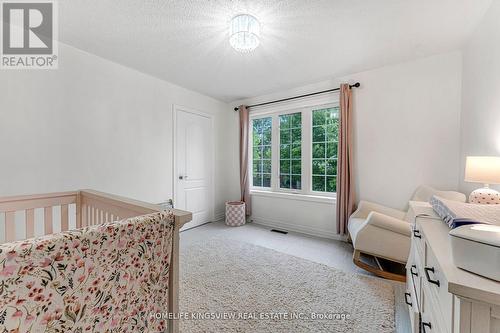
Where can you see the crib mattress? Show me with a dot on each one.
(456, 213)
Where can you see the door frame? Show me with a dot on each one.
(175, 109)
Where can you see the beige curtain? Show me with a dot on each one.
(244, 174)
(345, 166)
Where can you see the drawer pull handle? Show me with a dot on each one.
(424, 325)
(411, 270)
(416, 233)
(406, 299)
(431, 269)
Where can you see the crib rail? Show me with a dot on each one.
(84, 208)
(98, 207)
(28, 203)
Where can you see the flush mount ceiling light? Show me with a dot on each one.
(244, 33)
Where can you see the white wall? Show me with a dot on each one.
(480, 133)
(96, 124)
(407, 119)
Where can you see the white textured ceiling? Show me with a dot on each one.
(303, 41)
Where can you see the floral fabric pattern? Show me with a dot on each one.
(104, 278)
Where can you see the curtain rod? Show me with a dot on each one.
(356, 85)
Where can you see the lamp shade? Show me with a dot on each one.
(482, 169)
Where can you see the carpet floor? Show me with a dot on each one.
(233, 286)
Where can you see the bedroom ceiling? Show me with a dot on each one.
(302, 41)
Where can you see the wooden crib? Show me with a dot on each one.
(34, 215)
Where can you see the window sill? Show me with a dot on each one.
(294, 196)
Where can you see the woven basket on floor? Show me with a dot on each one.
(235, 213)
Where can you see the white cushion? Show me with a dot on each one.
(354, 226)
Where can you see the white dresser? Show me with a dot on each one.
(441, 297)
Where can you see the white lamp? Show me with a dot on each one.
(486, 170)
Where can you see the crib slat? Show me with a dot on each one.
(47, 220)
(30, 223)
(96, 216)
(83, 221)
(64, 217)
(10, 228)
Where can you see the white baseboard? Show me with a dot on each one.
(219, 216)
(282, 225)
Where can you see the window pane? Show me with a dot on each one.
(266, 180)
(318, 167)
(318, 117)
(318, 183)
(261, 141)
(266, 166)
(332, 132)
(266, 137)
(284, 181)
(332, 115)
(324, 149)
(296, 120)
(331, 149)
(331, 184)
(296, 167)
(290, 150)
(318, 150)
(266, 152)
(284, 166)
(257, 153)
(257, 167)
(318, 134)
(284, 122)
(257, 179)
(296, 151)
(331, 167)
(296, 185)
(285, 151)
(296, 136)
(285, 137)
(257, 139)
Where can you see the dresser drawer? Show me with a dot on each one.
(432, 322)
(418, 240)
(413, 274)
(436, 285)
(411, 301)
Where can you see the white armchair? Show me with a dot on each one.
(385, 233)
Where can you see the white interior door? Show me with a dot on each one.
(193, 166)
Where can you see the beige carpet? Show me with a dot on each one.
(261, 290)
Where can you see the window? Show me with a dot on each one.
(290, 150)
(325, 126)
(261, 152)
(295, 150)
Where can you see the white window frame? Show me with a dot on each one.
(250, 152)
(306, 108)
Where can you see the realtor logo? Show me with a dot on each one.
(29, 39)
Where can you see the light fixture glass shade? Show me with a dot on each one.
(482, 169)
(244, 33)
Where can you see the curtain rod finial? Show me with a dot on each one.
(356, 85)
